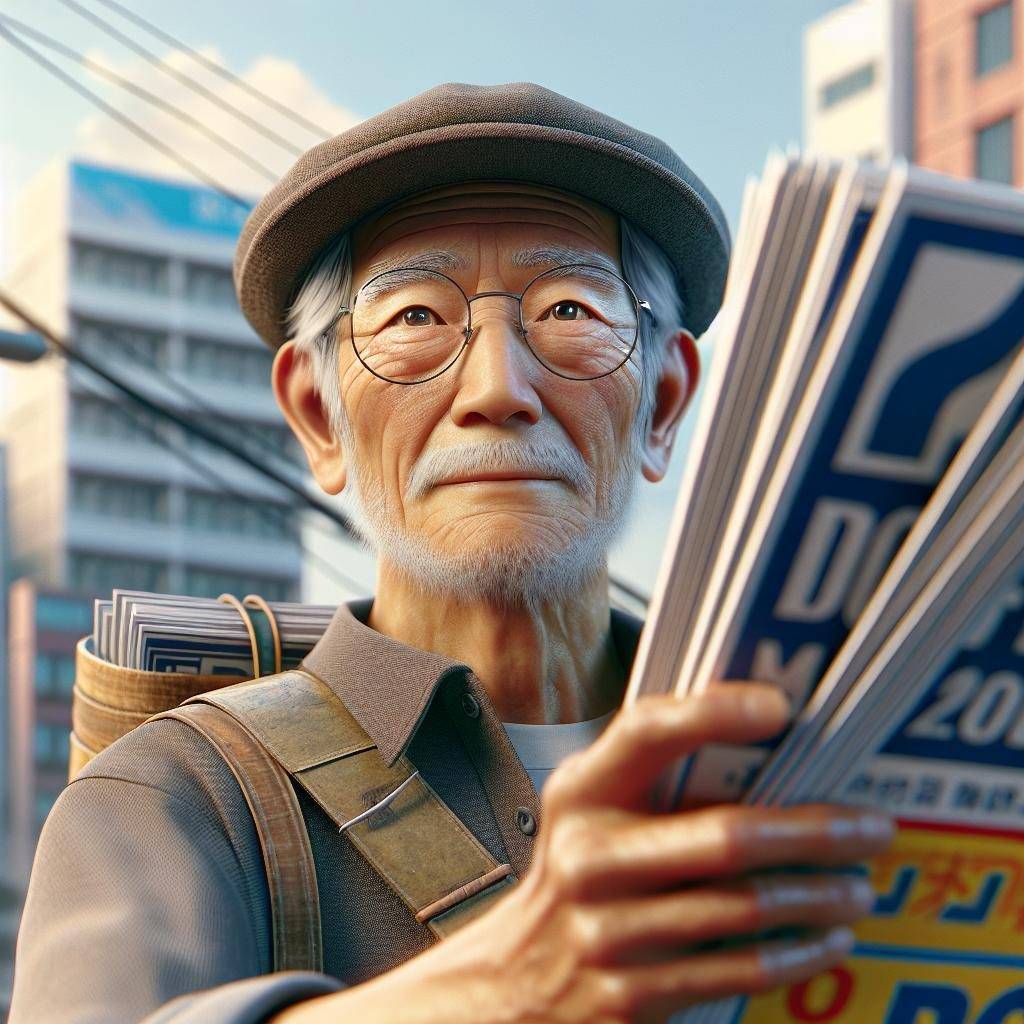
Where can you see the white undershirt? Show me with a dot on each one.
(542, 747)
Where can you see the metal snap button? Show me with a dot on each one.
(470, 705)
(525, 821)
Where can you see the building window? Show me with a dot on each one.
(847, 85)
(122, 345)
(119, 269)
(211, 583)
(55, 673)
(993, 157)
(51, 743)
(252, 517)
(97, 417)
(63, 613)
(942, 84)
(44, 804)
(214, 360)
(98, 575)
(993, 31)
(115, 498)
(278, 440)
(209, 286)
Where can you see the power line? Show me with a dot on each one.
(196, 428)
(70, 352)
(629, 590)
(122, 119)
(199, 404)
(625, 588)
(167, 378)
(272, 512)
(185, 80)
(143, 94)
(218, 69)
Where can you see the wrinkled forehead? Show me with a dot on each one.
(540, 220)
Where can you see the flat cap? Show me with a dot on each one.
(457, 132)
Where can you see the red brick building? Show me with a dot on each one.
(43, 628)
(969, 88)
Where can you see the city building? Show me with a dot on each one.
(43, 627)
(969, 83)
(858, 81)
(39, 669)
(10, 916)
(136, 271)
(4, 691)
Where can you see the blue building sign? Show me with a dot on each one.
(99, 193)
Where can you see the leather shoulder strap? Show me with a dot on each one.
(287, 856)
(396, 821)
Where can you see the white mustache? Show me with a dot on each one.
(538, 458)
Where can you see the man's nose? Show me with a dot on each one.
(497, 372)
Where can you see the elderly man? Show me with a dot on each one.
(485, 302)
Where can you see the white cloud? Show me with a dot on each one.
(101, 138)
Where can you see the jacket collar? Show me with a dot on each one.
(388, 685)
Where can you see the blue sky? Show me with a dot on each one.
(719, 80)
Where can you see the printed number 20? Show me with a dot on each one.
(990, 709)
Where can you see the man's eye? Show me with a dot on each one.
(418, 316)
(568, 310)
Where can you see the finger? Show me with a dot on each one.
(636, 991)
(594, 856)
(625, 929)
(647, 737)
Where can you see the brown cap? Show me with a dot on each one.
(457, 132)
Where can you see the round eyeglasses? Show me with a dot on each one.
(408, 326)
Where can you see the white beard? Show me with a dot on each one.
(524, 573)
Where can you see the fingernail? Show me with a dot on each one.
(862, 893)
(781, 959)
(877, 826)
(840, 940)
(773, 896)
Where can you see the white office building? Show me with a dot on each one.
(137, 272)
(858, 81)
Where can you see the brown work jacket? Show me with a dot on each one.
(148, 896)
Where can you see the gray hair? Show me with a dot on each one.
(313, 315)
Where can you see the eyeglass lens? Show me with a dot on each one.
(408, 325)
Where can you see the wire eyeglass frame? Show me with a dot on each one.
(638, 303)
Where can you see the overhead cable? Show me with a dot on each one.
(122, 119)
(219, 69)
(625, 588)
(144, 94)
(186, 80)
(273, 512)
(193, 427)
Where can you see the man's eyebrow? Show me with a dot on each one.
(432, 259)
(556, 254)
(552, 254)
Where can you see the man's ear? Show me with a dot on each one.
(295, 391)
(680, 372)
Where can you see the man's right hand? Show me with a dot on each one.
(613, 921)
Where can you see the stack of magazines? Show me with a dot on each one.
(851, 528)
(196, 635)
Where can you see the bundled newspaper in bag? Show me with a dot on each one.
(850, 527)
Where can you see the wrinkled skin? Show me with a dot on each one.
(606, 924)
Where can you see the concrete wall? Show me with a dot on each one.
(873, 122)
